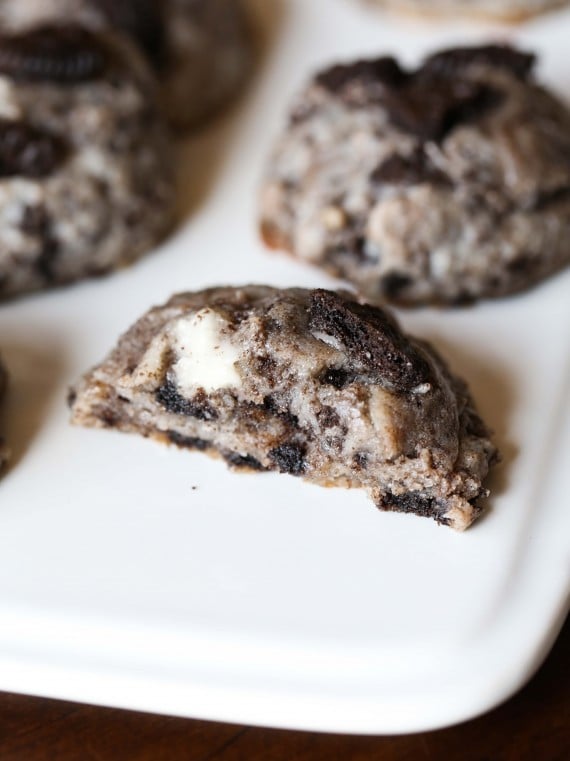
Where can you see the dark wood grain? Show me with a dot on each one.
(532, 726)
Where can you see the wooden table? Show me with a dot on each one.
(534, 725)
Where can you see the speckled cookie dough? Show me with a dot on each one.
(498, 10)
(200, 49)
(310, 383)
(85, 170)
(4, 452)
(445, 184)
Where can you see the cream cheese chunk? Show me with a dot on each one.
(206, 357)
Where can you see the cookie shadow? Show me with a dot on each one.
(35, 374)
(494, 391)
(203, 152)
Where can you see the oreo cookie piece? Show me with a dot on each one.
(430, 106)
(55, 53)
(425, 185)
(371, 339)
(449, 62)
(378, 72)
(351, 400)
(26, 151)
(414, 168)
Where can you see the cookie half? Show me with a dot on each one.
(86, 177)
(201, 50)
(493, 10)
(310, 383)
(443, 184)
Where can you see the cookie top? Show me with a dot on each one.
(448, 182)
(311, 383)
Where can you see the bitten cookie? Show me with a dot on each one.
(499, 10)
(444, 184)
(4, 453)
(310, 383)
(201, 50)
(85, 170)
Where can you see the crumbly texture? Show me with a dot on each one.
(501, 10)
(86, 176)
(4, 452)
(200, 49)
(445, 184)
(310, 383)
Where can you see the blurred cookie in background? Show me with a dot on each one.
(201, 50)
(512, 11)
(445, 184)
(86, 181)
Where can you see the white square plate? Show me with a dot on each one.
(144, 577)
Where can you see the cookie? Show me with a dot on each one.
(445, 184)
(493, 10)
(4, 453)
(310, 383)
(86, 181)
(201, 50)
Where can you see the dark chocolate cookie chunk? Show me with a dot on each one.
(172, 401)
(26, 151)
(444, 184)
(332, 410)
(375, 346)
(450, 63)
(412, 169)
(379, 72)
(54, 53)
(430, 107)
(432, 100)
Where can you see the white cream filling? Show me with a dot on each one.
(206, 357)
(331, 341)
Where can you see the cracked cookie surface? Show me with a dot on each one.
(444, 184)
(310, 383)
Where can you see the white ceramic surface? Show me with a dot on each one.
(139, 576)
